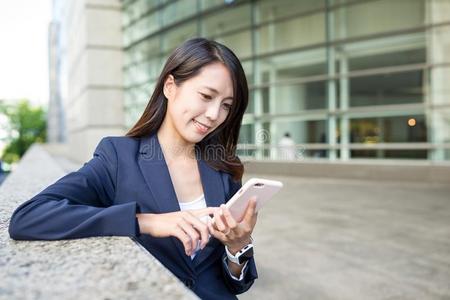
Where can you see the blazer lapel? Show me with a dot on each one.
(156, 174)
(212, 184)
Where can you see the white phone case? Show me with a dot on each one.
(263, 189)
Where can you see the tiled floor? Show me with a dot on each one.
(348, 239)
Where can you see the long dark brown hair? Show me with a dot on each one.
(186, 62)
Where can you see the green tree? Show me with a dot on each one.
(26, 125)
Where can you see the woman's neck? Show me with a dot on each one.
(172, 144)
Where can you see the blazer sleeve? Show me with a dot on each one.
(80, 204)
(250, 273)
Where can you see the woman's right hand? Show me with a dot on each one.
(184, 225)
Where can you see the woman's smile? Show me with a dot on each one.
(201, 128)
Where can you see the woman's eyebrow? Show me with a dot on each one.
(216, 92)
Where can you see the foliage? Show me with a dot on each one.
(26, 125)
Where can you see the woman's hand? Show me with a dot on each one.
(184, 225)
(231, 233)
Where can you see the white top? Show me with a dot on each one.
(198, 203)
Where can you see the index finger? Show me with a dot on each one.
(251, 210)
(204, 211)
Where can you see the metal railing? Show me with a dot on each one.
(320, 150)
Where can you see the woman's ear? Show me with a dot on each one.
(169, 87)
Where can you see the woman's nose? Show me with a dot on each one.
(212, 112)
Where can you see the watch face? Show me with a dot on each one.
(246, 256)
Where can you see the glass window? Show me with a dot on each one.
(302, 132)
(374, 17)
(149, 4)
(239, 42)
(226, 20)
(292, 65)
(399, 129)
(411, 56)
(246, 147)
(127, 2)
(133, 113)
(251, 103)
(209, 4)
(175, 37)
(133, 11)
(143, 72)
(178, 11)
(248, 69)
(389, 154)
(136, 74)
(144, 50)
(385, 89)
(126, 17)
(153, 67)
(298, 32)
(269, 10)
(247, 134)
(145, 26)
(287, 99)
(135, 101)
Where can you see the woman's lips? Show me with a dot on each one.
(202, 128)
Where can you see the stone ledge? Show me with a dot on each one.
(406, 171)
(92, 268)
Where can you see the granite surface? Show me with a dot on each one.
(93, 268)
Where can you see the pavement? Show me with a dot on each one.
(353, 239)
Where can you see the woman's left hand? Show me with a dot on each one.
(231, 233)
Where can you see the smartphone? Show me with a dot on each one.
(263, 189)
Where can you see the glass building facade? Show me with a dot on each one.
(347, 79)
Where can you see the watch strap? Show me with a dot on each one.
(241, 256)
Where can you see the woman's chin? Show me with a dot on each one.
(193, 137)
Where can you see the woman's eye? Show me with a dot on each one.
(207, 97)
(227, 106)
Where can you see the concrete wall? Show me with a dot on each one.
(94, 57)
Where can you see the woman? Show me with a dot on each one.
(157, 184)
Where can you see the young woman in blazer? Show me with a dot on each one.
(157, 184)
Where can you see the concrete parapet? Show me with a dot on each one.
(92, 268)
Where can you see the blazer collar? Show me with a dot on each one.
(156, 174)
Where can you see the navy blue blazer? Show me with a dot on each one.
(128, 176)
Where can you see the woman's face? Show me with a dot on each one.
(200, 104)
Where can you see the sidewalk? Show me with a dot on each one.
(350, 239)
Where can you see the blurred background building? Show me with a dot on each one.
(347, 79)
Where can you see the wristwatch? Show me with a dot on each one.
(241, 256)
